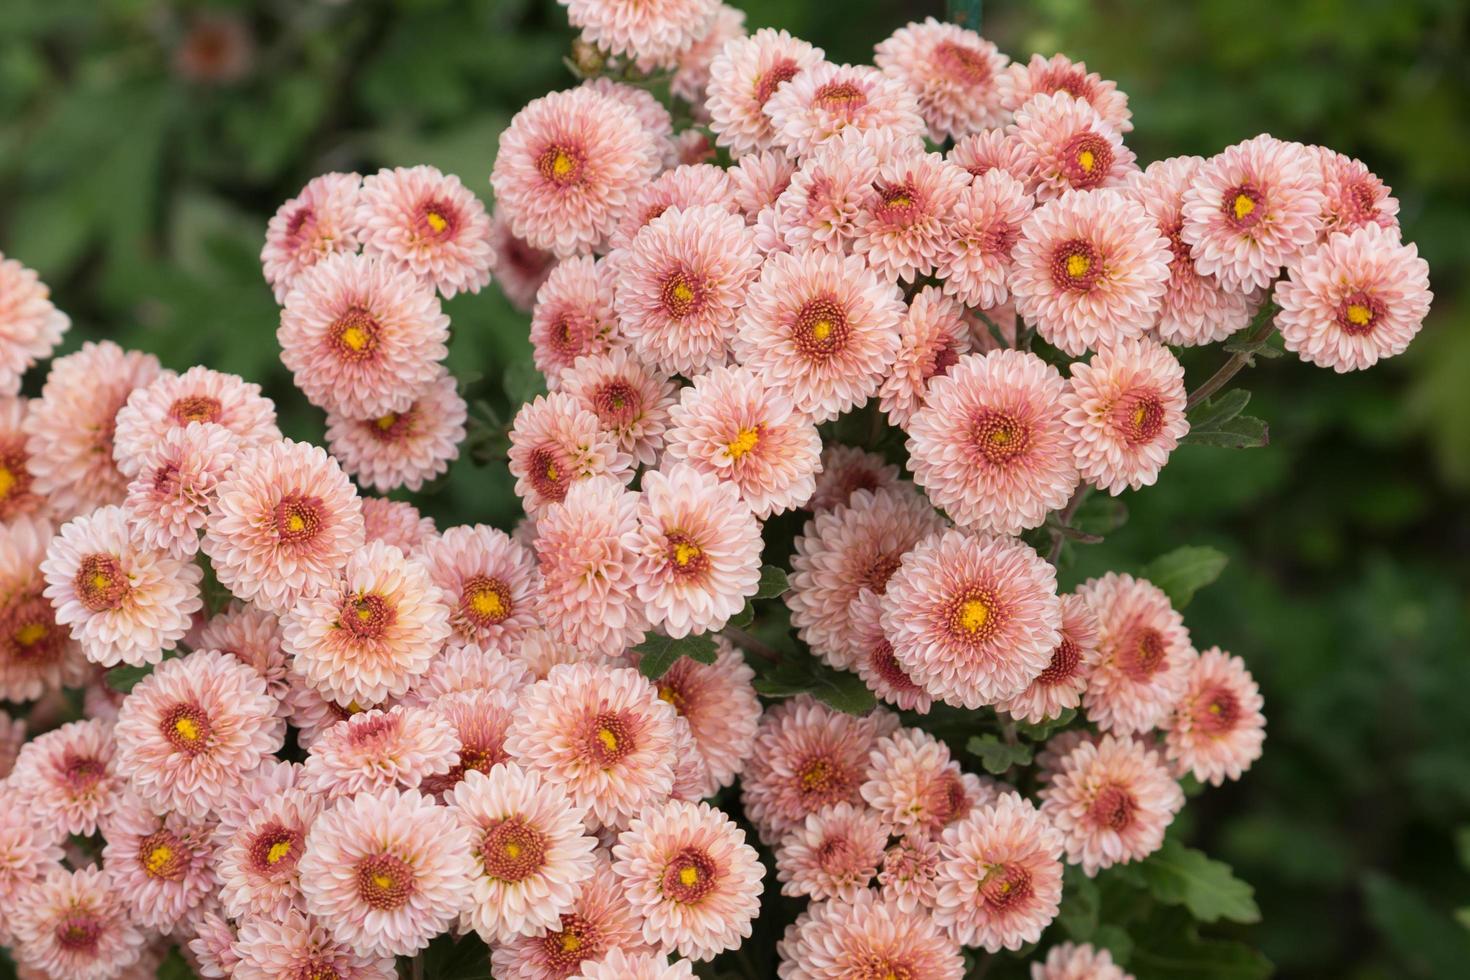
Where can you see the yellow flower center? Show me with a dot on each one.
(278, 852)
(901, 201)
(1243, 206)
(561, 164)
(822, 329)
(570, 943)
(158, 859)
(487, 602)
(745, 441)
(685, 553)
(608, 739)
(436, 221)
(1077, 266)
(552, 473)
(7, 482)
(973, 615)
(512, 850)
(1357, 314)
(688, 876)
(683, 292)
(1086, 160)
(386, 422)
(30, 633)
(187, 729)
(383, 881)
(355, 338)
(295, 523)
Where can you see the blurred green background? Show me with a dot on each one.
(143, 145)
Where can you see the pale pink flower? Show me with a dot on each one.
(318, 222)
(403, 448)
(687, 869)
(602, 734)
(251, 793)
(841, 553)
(168, 501)
(1061, 684)
(1196, 308)
(683, 187)
(903, 227)
(992, 149)
(1251, 209)
(529, 848)
(757, 180)
(932, 337)
(1049, 757)
(539, 651)
(174, 401)
(873, 660)
(27, 852)
(824, 99)
(600, 921)
(651, 114)
(821, 327)
(834, 854)
(742, 79)
(1090, 268)
(386, 871)
(954, 73)
(74, 925)
(258, 862)
(1355, 196)
(586, 547)
(1216, 728)
(692, 74)
(555, 444)
(569, 165)
(870, 935)
(489, 582)
(30, 326)
(253, 637)
(1078, 961)
(69, 428)
(1111, 801)
(518, 266)
(468, 668)
(1065, 144)
(12, 737)
(1354, 299)
(719, 704)
(630, 397)
(362, 336)
(618, 965)
(1046, 76)
(296, 945)
(822, 203)
(283, 524)
(682, 282)
(974, 259)
(37, 653)
(161, 867)
(913, 784)
(123, 601)
(574, 316)
(909, 876)
(1125, 413)
(380, 749)
(1143, 654)
(369, 634)
(652, 34)
(67, 777)
(429, 222)
(990, 444)
(846, 469)
(210, 944)
(17, 495)
(398, 523)
(806, 756)
(481, 719)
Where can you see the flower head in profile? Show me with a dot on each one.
(1078, 961)
(161, 867)
(758, 180)
(1065, 144)
(630, 398)
(168, 501)
(489, 582)
(910, 871)
(574, 316)
(825, 197)
(67, 777)
(318, 222)
(380, 749)
(651, 34)
(871, 934)
(258, 861)
(601, 920)
(742, 79)
(27, 852)
(719, 704)
(37, 653)
(874, 662)
(252, 636)
(73, 924)
(555, 443)
(834, 854)
(519, 267)
(913, 784)
(396, 522)
(175, 401)
(992, 149)
(1216, 729)
(1048, 76)
(954, 73)
(847, 469)
(431, 223)
(1125, 414)
(12, 737)
(651, 114)
(297, 945)
(932, 338)
(685, 186)
(974, 259)
(1143, 652)
(30, 325)
(825, 99)
(17, 494)
(1061, 684)
(1355, 196)
(404, 448)
(618, 965)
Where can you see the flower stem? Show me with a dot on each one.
(1065, 518)
(1233, 366)
(750, 644)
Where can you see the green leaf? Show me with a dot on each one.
(1041, 731)
(1179, 875)
(1462, 846)
(1115, 940)
(1184, 571)
(1100, 514)
(466, 958)
(522, 382)
(1080, 905)
(998, 756)
(1170, 947)
(838, 689)
(1215, 412)
(125, 677)
(657, 652)
(1217, 422)
(772, 584)
(1427, 942)
(174, 967)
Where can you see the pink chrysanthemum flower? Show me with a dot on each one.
(1354, 299)
(468, 668)
(1143, 654)
(37, 653)
(1251, 209)
(1048, 76)
(871, 934)
(252, 636)
(318, 222)
(555, 443)
(574, 316)
(539, 652)
(600, 921)
(174, 401)
(587, 548)
(489, 582)
(429, 222)
(954, 73)
(651, 114)
(681, 284)
(386, 872)
(1000, 881)
(518, 266)
(1111, 801)
(379, 749)
(806, 756)
(1216, 729)
(69, 428)
(852, 548)
(847, 469)
(972, 620)
(1073, 961)
(874, 662)
(742, 79)
(569, 165)
(618, 965)
(530, 851)
(902, 230)
(1049, 757)
(73, 925)
(1065, 144)
(481, 719)
(691, 776)
(283, 524)
(370, 634)
(361, 336)
(834, 854)
(30, 326)
(653, 34)
(691, 79)
(974, 259)
(296, 945)
(168, 502)
(757, 180)
(27, 853)
(403, 448)
(207, 943)
(913, 784)
(124, 602)
(1355, 196)
(824, 99)
(822, 203)
(683, 187)
(932, 338)
(990, 444)
(719, 704)
(67, 778)
(909, 876)
(687, 869)
(17, 495)
(1125, 414)
(397, 522)
(12, 737)
(630, 398)
(821, 327)
(162, 867)
(1196, 308)
(600, 733)
(992, 149)
(311, 713)
(1061, 684)
(258, 862)
(192, 730)
(1090, 268)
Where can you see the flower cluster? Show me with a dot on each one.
(385, 732)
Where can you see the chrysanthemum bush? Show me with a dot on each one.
(777, 677)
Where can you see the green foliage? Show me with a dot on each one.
(448, 958)
(1218, 422)
(1184, 571)
(657, 652)
(996, 755)
(807, 675)
(1179, 875)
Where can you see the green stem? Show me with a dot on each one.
(751, 644)
(1065, 518)
(1233, 366)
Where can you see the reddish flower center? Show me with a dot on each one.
(29, 634)
(101, 583)
(822, 780)
(392, 427)
(485, 601)
(274, 849)
(298, 518)
(315, 968)
(1144, 657)
(78, 932)
(681, 294)
(384, 882)
(1139, 417)
(162, 856)
(578, 939)
(773, 78)
(670, 693)
(883, 663)
(683, 556)
(1217, 711)
(974, 614)
(1361, 198)
(1065, 660)
(871, 966)
(1087, 159)
(436, 220)
(354, 335)
(300, 224)
(1113, 808)
(999, 438)
(1068, 80)
(961, 63)
(366, 615)
(1075, 265)
(571, 335)
(15, 477)
(549, 474)
(879, 571)
(835, 855)
(195, 408)
(1358, 313)
(617, 403)
(690, 876)
(821, 329)
(1182, 256)
(560, 164)
(187, 728)
(81, 772)
(1005, 885)
(608, 739)
(841, 97)
(373, 732)
(1243, 206)
(945, 357)
(513, 850)
(898, 204)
